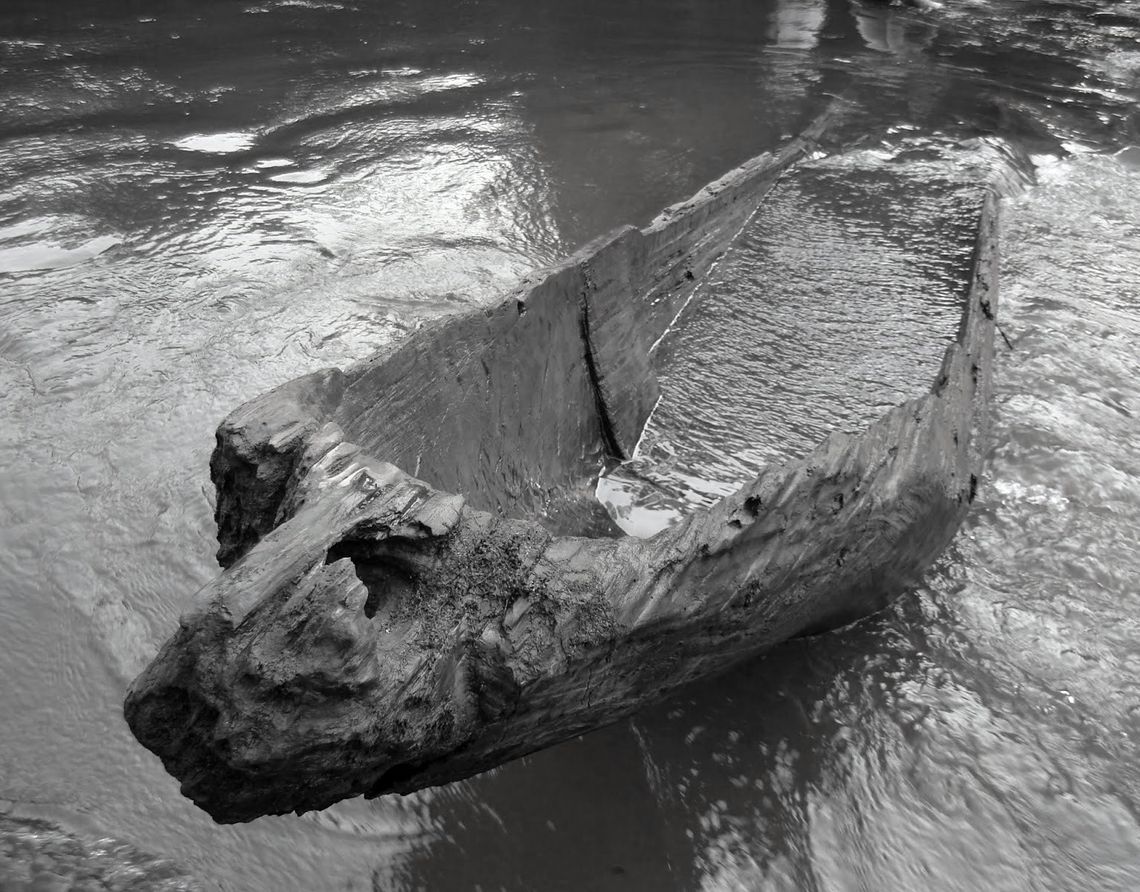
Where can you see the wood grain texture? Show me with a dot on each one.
(393, 628)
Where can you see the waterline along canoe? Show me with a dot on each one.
(419, 584)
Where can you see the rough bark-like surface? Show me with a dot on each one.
(384, 634)
(258, 446)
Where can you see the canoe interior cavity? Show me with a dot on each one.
(835, 303)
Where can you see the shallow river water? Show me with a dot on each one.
(199, 200)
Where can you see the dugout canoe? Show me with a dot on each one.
(420, 586)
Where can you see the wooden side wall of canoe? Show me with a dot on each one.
(516, 405)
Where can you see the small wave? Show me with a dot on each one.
(45, 255)
(224, 143)
(264, 8)
(310, 177)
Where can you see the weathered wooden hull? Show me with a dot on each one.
(375, 632)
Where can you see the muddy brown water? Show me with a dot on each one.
(199, 200)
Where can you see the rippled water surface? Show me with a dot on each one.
(200, 200)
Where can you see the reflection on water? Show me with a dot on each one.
(891, 29)
(198, 201)
(981, 735)
(796, 24)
